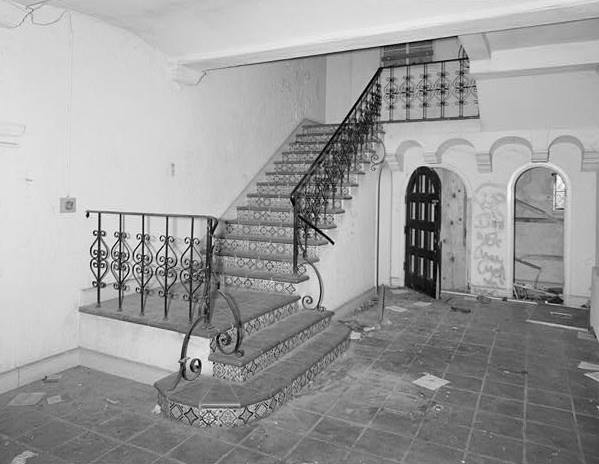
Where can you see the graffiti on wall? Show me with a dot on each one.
(488, 223)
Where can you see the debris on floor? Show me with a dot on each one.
(396, 309)
(355, 335)
(54, 399)
(53, 378)
(156, 410)
(587, 366)
(593, 375)
(113, 402)
(27, 399)
(460, 309)
(422, 304)
(506, 370)
(21, 458)
(586, 336)
(430, 382)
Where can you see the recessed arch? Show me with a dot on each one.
(511, 222)
(451, 143)
(510, 140)
(400, 154)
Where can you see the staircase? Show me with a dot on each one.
(286, 343)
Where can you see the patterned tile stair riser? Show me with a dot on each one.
(278, 202)
(264, 248)
(286, 189)
(243, 373)
(199, 416)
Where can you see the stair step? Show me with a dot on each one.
(266, 275)
(283, 209)
(255, 255)
(249, 227)
(260, 238)
(257, 311)
(212, 402)
(291, 184)
(269, 223)
(286, 197)
(321, 129)
(235, 244)
(314, 137)
(273, 343)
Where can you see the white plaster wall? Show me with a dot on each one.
(347, 75)
(491, 201)
(107, 130)
(540, 101)
(348, 267)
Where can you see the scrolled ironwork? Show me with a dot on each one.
(314, 198)
(308, 300)
(436, 90)
(166, 270)
(229, 342)
(193, 271)
(143, 271)
(98, 263)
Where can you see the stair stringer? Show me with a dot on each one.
(348, 267)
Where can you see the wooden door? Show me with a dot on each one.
(453, 232)
(423, 223)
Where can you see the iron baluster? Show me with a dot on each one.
(142, 267)
(424, 91)
(191, 273)
(166, 269)
(207, 309)
(442, 90)
(461, 90)
(99, 256)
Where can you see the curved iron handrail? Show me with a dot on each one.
(341, 155)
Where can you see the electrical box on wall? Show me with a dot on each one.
(68, 205)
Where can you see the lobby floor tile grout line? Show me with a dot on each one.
(432, 398)
(478, 400)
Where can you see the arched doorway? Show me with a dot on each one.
(422, 232)
(539, 210)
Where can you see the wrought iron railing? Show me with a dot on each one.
(438, 90)
(165, 257)
(148, 256)
(313, 199)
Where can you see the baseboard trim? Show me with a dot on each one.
(352, 304)
(121, 367)
(37, 370)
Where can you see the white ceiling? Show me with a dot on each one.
(218, 33)
(573, 31)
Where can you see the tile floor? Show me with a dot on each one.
(515, 395)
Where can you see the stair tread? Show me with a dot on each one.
(265, 275)
(257, 255)
(284, 209)
(296, 173)
(251, 304)
(262, 238)
(276, 195)
(206, 391)
(257, 222)
(271, 336)
(269, 183)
